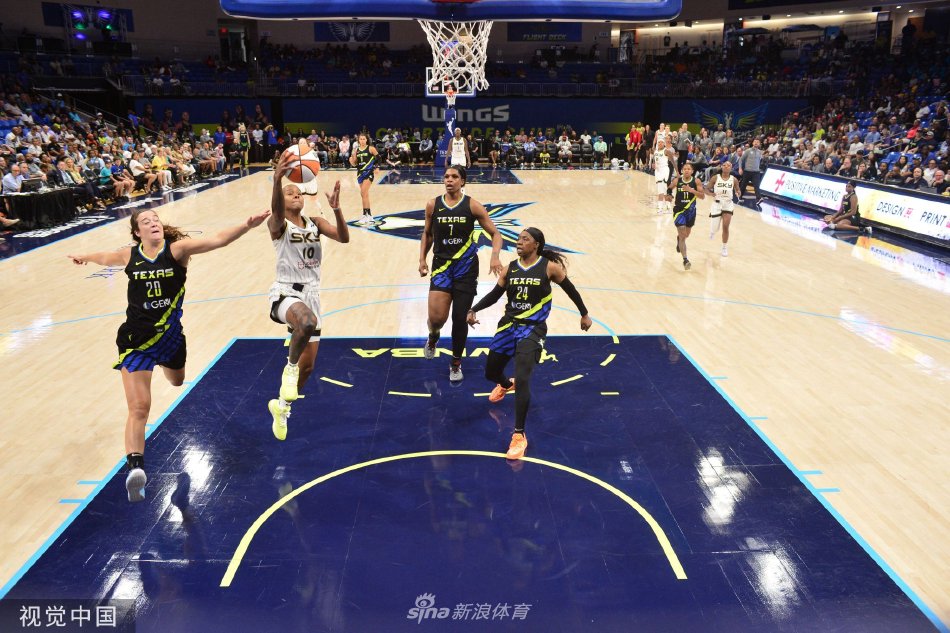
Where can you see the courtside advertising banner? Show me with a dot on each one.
(804, 188)
(910, 213)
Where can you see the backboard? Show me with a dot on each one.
(438, 86)
(526, 10)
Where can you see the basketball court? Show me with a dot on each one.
(754, 444)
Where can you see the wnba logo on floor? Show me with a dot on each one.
(425, 609)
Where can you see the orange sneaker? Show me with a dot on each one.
(498, 393)
(517, 447)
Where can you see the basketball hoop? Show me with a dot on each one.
(457, 30)
(459, 53)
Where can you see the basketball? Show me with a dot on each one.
(306, 167)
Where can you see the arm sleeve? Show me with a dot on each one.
(490, 299)
(575, 296)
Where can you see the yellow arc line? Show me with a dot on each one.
(571, 379)
(610, 393)
(336, 382)
(406, 393)
(609, 358)
(242, 547)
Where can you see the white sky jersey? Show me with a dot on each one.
(299, 254)
(724, 189)
(458, 151)
(661, 164)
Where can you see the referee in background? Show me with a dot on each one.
(750, 169)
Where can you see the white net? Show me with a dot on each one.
(459, 53)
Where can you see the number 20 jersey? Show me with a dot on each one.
(156, 291)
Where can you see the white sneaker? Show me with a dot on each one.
(366, 219)
(280, 415)
(135, 484)
(725, 251)
(429, 350)
(455, 373)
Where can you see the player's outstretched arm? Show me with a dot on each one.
(105, 258)
(276, 221)
(340, 232)
(183, 249)
(488, 300)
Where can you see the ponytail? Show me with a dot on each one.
(554, 256)
(173, 234)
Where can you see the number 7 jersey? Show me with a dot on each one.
(453, 230)
(299, 253)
